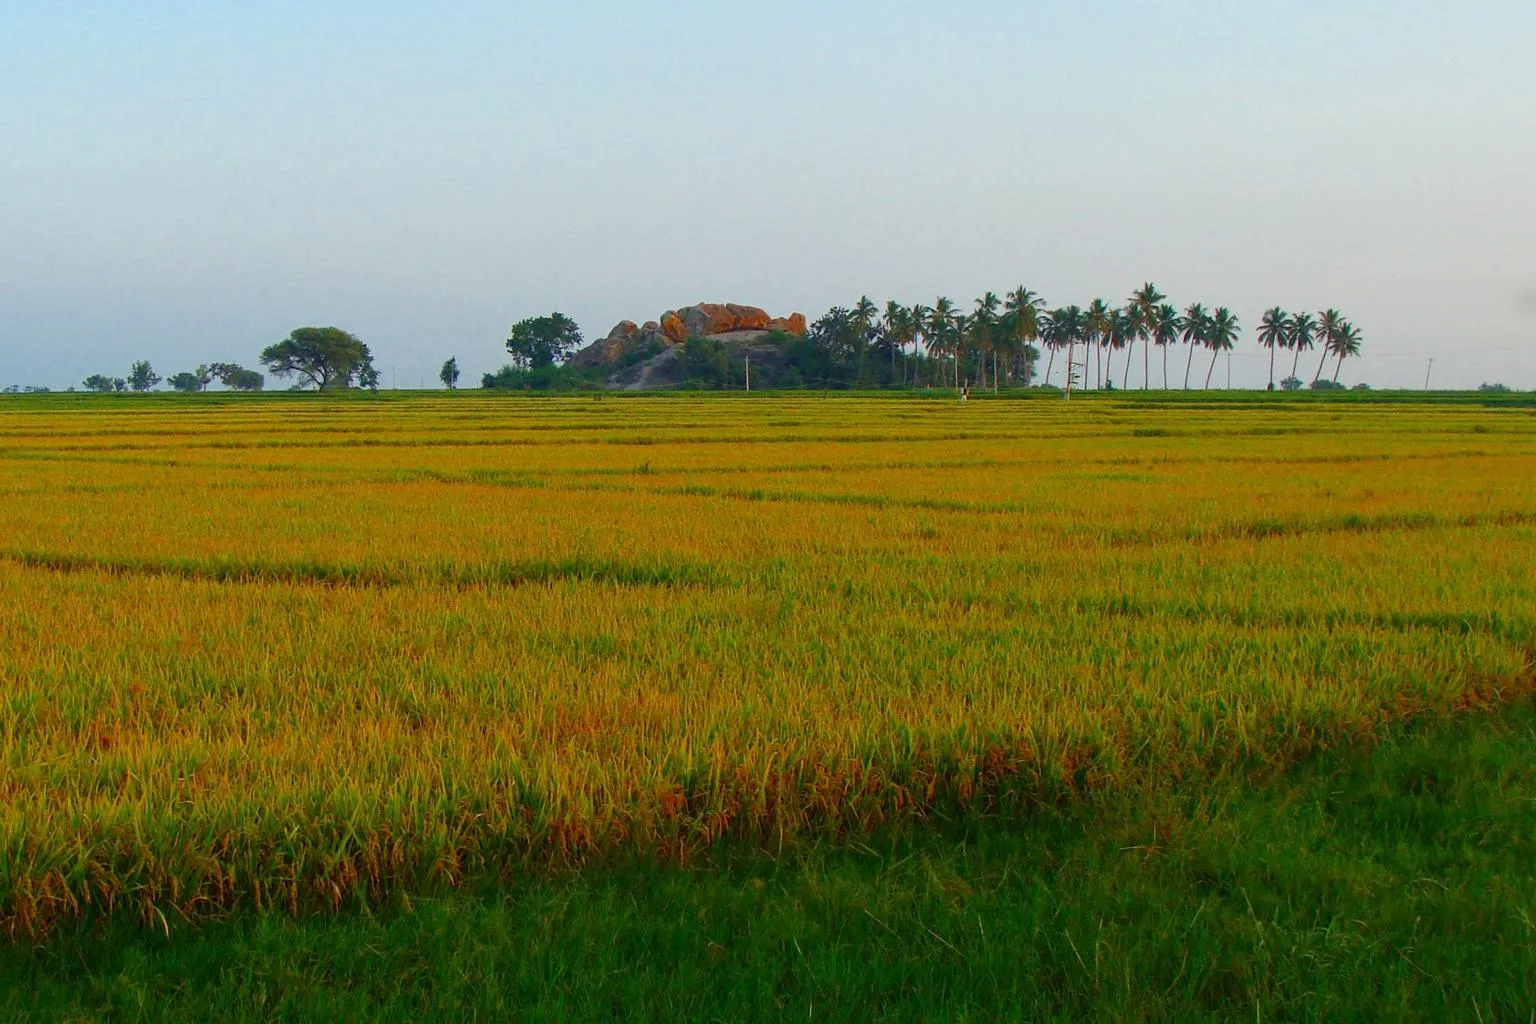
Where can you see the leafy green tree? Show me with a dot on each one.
(236, 377)
(542, 341)
(983, 325)
(186, 383)
(1274, 332)
(1221, 337)
(1197, 328)
(100, 383)
(142, 377)
(449, 374)
(327, 357)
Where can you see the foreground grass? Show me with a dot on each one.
(1398, 883)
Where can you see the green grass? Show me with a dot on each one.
(1397, 883)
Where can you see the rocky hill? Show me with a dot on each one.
(646, 355)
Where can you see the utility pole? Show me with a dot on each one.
(1426, 373)
(749, 371)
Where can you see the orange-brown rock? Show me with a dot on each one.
(792, 324)
(709, 318)
(672, 327)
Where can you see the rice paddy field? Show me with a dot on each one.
(304, 655)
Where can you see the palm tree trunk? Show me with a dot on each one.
(1320, 364)
(1050, 364)
(1295, 359)
(1338, 368)
(1188, 363)
(1271, 367)
(1146, 363)
(1130, 351)
(1069, 370)
(1165, 366)
(1215, 354)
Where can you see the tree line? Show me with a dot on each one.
(999, 341)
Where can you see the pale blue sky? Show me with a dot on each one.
(187, 182)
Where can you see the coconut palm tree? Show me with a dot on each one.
(1221, 337)
(1274, 332)
(1071, 323)
(1122, 335)
(983, 331)
(941, 333)
(1347, 345)
(1166, 326)
(1303, 335)
(893, 321)
(1143, 305)
(1099, 325)
(1051, 338)
(1022, 314)
(1328, 323)
(920, 318)
(1196, 328)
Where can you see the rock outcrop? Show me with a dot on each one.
(677, 326)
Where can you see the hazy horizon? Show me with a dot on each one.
(187, 183)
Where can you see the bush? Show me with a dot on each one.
(1323, 384)
(1493, 389)
(1291, 384)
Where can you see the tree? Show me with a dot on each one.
(186, 383)
(1274, 332)
(983, 325)
(1303, 335)
(1346, 345)
(1122, 334)
(1021, 313)
(1144, 306)
(1221, 337)
(449, 374)
(942, 334)
(1196, 328)
(327, 357)
(236, 377)
(1166, 328)
(1071, 326)
(865, 316)
(1100, 324)
(542, 341)
(1328, 323)
(142, 377)
(100, 383)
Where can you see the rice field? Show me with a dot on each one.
(306, 653)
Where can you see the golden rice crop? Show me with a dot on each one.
(269, 652)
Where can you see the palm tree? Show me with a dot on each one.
(1122, 334)
(941, 322)
(920, 319)
(1166, 326)
(1303, 336)
(1328, 324)
(1222, 337)
(1100, 323)
(1274, 331)
(1196, 328)
(1347, 346)
(894, 321)
(1071, 325)
(1051, 338)
(1144, 305)
(865, 316)
(1022, 309)
(983, 324)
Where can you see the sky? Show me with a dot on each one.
(188, 182)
